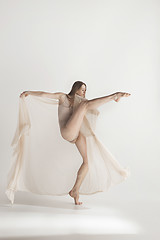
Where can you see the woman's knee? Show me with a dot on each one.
(84, 166)
(85, 161)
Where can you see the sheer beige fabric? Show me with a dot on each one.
(44, 163)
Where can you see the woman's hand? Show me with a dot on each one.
(118, 95)
(25, 94)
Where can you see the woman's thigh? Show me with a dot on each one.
(71, 129)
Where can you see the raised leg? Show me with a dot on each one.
(82, 147)
(97, 102)
(71, 130)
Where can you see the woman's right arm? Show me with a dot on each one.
(55, 95)
(34, 93)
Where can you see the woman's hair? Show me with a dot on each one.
(76, 85)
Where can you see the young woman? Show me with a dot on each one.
(70, 123)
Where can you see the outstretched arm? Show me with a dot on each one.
(55, 95)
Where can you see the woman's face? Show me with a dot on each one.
(82, 91)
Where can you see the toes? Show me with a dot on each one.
(77, 202)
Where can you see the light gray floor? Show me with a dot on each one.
(99, 217)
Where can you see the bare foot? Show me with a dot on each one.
(75, 195)
(121, 94)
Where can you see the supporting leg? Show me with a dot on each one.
(82, 147)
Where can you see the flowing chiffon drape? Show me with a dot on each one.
(44, 163)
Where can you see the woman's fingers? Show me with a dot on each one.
(21, 94)
(25, 93)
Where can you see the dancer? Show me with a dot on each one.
(71, 118)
